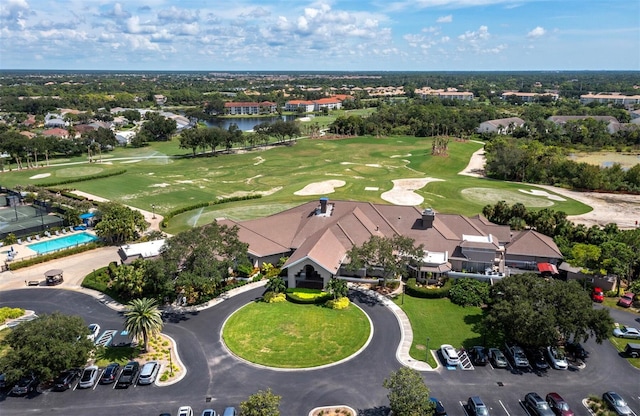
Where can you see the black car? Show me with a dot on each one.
(576, 349)
(439, 410)
(3, 381)
(25, 386)
(537, 405)
(537, 360)
(65, 380)
(128, 375)
(478, 356)
(110, 373)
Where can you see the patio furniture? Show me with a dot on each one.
(38, 237)
(19, 241)
(57, 232)
(29, 239)
(64, 231)
(47, 234)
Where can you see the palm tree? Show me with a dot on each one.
(143, 318)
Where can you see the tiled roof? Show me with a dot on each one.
(249, 104)
(564, 119)
(529, 242)
(325, 238)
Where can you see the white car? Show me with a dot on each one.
(185, 411)
(94, 331)
(557, 358)
(450, 354)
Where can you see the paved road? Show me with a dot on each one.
(216, 376)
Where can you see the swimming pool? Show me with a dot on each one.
(61, 243)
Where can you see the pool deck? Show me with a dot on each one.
(22, 251)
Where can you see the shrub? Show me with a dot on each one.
(412, 289)
(83, 178)
(340, 303)
(469, 292)
(10, 313)
(307, 296)
(52, 256)
(273, 297)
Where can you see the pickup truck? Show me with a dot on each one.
(128, 375)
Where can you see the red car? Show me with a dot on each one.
(626, 300)
(558, 405)
(597, 295)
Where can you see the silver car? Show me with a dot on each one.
(89, 377)
(148, 373)
(616, 403)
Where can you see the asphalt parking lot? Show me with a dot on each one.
(215, 379)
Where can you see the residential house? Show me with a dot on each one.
(52, 120)
(528, 97)
(449, 93)
(569, 272)
(124, 137)
(610, 98)
(295, 105)
(501, 125)
(612, 123)
(317, 235)
(56, 132)
(160, 99)
(28, 134)
(249, 108)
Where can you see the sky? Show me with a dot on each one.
(323, 35)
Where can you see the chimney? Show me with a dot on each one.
(323, 204)
(428, 215)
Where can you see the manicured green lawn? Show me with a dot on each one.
(442, 322)
(288, 335)
(161, 175)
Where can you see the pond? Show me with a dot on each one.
(245, 123)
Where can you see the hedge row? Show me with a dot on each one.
(73, 196)
(307, 296)
(83, 178)
(412, 289)
(171, 214)
(7, 313)
(52, 256)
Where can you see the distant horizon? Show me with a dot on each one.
(321, 35)
(314, 71)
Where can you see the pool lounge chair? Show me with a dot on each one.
(64, 231)
(47, 234)
(29, 239)
(38, 237)
(57, 232)
(19, 241)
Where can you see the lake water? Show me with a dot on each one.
(246, 123)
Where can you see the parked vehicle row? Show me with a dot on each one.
(552, 405)
(188, 411)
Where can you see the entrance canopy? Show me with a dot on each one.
(547, 268)
(87, 215)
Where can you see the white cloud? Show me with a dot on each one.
(537, 32)
(473, 36)
(117, 12)
(174, 14)
(134, 26)
(445, 19)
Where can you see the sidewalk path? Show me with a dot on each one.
(152, 218)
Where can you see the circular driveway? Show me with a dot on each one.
(215, 379)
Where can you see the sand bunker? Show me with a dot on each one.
(397, 156)
(248, 180)
(185, 181)
(536, 192)
(246, 193)
(403, 191)
(259, 159)
(40, 176)
(371, 188)
(320, 188)
(159, 185)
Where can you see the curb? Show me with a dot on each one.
(178, 363)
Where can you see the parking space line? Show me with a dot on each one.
(504, 408)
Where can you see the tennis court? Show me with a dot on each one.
(23, 220)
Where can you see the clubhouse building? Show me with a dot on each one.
(317, 235)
